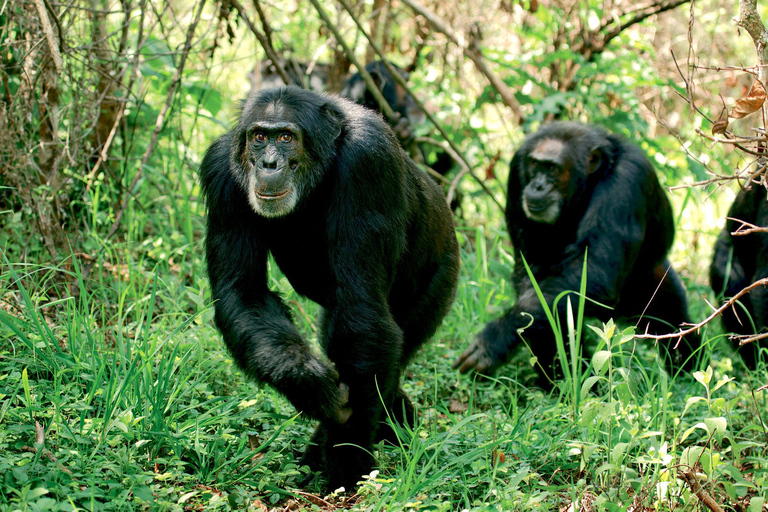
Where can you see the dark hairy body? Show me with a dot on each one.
(322, 185)
(739, 261)
(573, 188)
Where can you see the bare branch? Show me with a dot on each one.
(693, 482)
(264, 24)
(450, 147)
(390, 114)
(743, 339)
(42, 11)
(749, 20)
(265, 43)
(695, 327)
(638, 15)
(474, 53)
(747, 228)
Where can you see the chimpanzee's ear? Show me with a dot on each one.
(238, 157)
(599, 159)
(333, 118)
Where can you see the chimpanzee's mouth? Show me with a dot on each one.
(272, 197)
(538, 206)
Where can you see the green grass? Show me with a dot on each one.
(138, 405)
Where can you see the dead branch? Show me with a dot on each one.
(473, 51)
(693, 482)
(39, 443)
(746, 228)
(451, 148)
(695, 327)
(264, 24)
(265, 43)
(638, 15)
(745, 339)
(160, 118)
(749, 20)
(390, 114)
(42, 11)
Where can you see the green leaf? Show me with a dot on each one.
(716, 426)
(144, 493)
(691, 455)
(599, 361)
(704, 377)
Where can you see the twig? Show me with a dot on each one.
(759, 413)
(639, 15)
(38, 448)
(386, 109)
(42, 12)
(264, 23)
(475, 55)
(749, 20)
(745, 339)
(698, 490)
(451, 148)
(746, 228)
(454, 184)
(104, 149)
(264, 43)
(695, 327)
(160, 118)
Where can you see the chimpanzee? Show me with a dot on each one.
(397, 98)
(322, 185)
(738, 262)
(574, 187)
(312, 76)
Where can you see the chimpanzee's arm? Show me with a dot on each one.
(255, 323)
(612, 228)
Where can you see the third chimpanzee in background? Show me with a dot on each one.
(738, 262)
(410, 115)
(322, 185)
(571, 188)
(397, 98)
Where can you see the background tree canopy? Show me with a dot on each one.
(115, 389)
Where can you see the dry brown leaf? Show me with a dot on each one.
(751, 103)
(457, 406)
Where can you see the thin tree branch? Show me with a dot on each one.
(637, 16)
(695, 327)
(451, 148)
(264, 43)
(749, 20)
(42, 12)
(264, 24)
(390, 114)
(160, 118)
(693, 482)
(746, 228)
(474, 53)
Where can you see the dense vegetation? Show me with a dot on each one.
(116, 392)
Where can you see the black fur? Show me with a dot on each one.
(747, 256)
(410, 116)
(371, 240)
(613, 205)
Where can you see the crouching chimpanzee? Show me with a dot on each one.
(322, 185)
(571, 188)
(738, 262)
